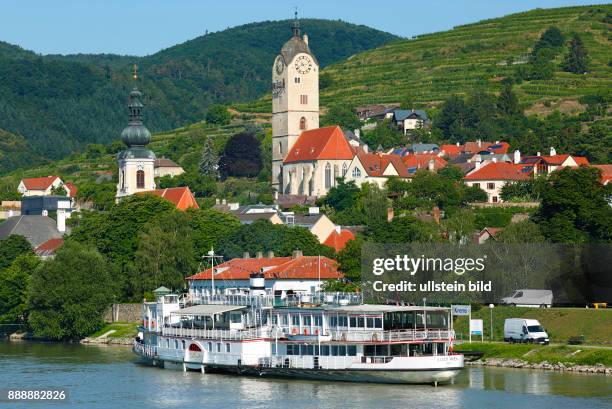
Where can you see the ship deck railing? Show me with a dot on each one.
(269, 301)
(149, 351)
(413, 335)
(217, 334)
(319, 362)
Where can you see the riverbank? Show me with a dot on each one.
(545, 357)
(117, 333)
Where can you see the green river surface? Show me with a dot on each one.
(110, 377)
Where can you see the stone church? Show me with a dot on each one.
(306, 159)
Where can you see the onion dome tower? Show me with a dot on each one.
(136, 163)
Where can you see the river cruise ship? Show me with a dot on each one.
(322, 336)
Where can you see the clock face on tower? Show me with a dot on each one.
(303, 65)
(279, 66)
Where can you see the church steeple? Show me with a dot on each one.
(135, 134)
(295, 26)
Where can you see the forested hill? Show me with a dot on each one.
(58, 104)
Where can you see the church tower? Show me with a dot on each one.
(295, 98)
(136, 163)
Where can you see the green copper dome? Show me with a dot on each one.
(135, 134)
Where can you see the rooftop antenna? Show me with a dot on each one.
(135, 72)
(295, 27)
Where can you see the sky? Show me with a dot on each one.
(142, 27)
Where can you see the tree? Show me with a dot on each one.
(209, 163)
(102, 195)
(551, 38)
(524, 231)
(241, 156)
(69, 294)
(574, 208)
(342, 196)
(349, 260)
(218, 115)
(541, 67)
(386, 134)
(209, 227)
(59, 190)
(523, 190)
(14, 285)
(11, 248)
(507, 102)
(577, 60)
(325, 80)
(342, 115)
(374, 202)
(460, 226)
(165, 255)
(403, 230)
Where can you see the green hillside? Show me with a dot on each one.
(61, 103)
(429, 68)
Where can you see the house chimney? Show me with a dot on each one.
(494, 160)
(297, 254)
(259, 254)
(390, 214)
(457, 144)
(61, 220)
(313, 210)
(477, 165)
(517, 156)
(305, 38)
(539, 154)
(553, 151)
(479, 142)
(246, 255)
(496, 142)
(431, 165)
(357, 133)
(270, 254)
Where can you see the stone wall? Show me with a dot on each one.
(123, 313)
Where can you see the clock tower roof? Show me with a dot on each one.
(295, 45)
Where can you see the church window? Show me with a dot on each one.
(344, 169)
(280, 148)
(140, 179)
(356, 173)
(302, 123)
(328, 176)
(303, 99)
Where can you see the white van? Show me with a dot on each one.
(530, 298)
(523, 330)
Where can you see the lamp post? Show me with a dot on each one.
(491, 306)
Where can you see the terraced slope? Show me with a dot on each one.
(430, 67)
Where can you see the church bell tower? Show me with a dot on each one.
(295, 97)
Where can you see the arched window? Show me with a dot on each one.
(328, 176)
(344, 169)
(280, 148)
(140, 179)
(302, 123)
(356, 173)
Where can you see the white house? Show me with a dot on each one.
(375, 168)
(39, 186)
(492, 176)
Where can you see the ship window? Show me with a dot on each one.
(370, 322)
(284, 319)
(342, 321)
(353, 322)
(342, 350)
(324, 349)
(295, 320)
(167, 343)
(318, 321)
(351, 350)
(183, 344)
(377, 322)
(227, 347)
(275, 320)
(307, 350)
(140, 179)
(333, 321)
(176, 344)
(306, 320)
(210, 347)
(334, 350)
(273, 349)
(218, 347)
(293, 349)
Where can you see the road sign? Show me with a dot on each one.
(476, 327)
(461, 309)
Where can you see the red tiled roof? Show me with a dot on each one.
(337, 241)
(499, 148)
(375, 164)
(559, 159)
(49, 247)
(72, 189)
(181, 197)
(451, 150)
(500, 171)
(606, 173)
(473, 147)
(280, 268)
(39, 183)
(421, 160)
(322, 143)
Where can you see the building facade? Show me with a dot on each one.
(295, 99)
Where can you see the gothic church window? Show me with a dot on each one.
(356, 173)
(344, 169)
(328, 176)
(140, 179)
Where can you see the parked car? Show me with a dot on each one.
(530, 298)
(524, 330)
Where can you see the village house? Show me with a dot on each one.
(606, 173)
(428, 161)
(48, 249)
(375, 168)
(281, 275)
(166, 167)
(545, 165)
(44, 186)
(181, 197)
(492, 176)
(410, 119)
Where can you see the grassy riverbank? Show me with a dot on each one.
(122, 330)
(560, 323)
(576, 355)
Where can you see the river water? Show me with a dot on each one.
(109, 377)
